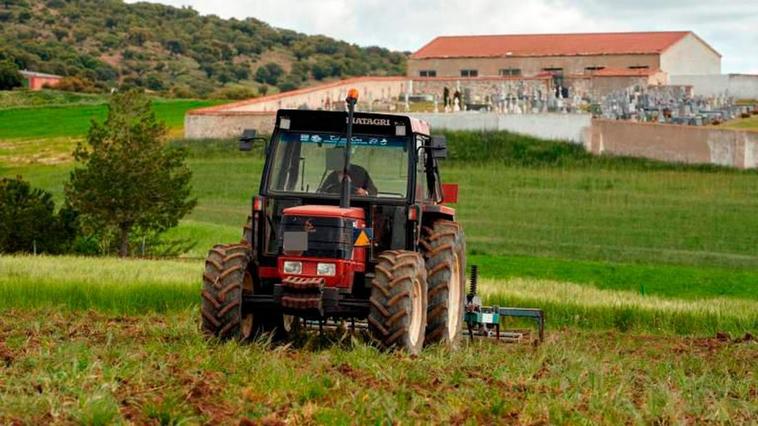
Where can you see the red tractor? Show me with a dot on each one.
(350, 222)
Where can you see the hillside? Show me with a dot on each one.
(111, 43)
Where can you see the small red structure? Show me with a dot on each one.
(36, 80)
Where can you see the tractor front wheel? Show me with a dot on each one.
(224, 280)
(397, 312)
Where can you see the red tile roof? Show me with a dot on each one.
(549, 44)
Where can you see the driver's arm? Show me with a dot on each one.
(330, 183)
(370, 187)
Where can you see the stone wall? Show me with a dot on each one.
(674, 143)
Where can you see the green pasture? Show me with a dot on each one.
(140, 286)
(74, 120)
(670, 231)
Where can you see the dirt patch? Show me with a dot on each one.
(6, 356)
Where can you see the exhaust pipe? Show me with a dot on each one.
(351, 100)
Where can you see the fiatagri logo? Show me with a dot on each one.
(370, 121)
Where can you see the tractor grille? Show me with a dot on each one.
(327, 237)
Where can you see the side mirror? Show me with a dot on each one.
(248, 137)
(439, 147)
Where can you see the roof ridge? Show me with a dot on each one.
(561, 34)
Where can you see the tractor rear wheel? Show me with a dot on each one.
(397, 312)
(444, 249)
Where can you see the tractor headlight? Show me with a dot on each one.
(328, 269)
(291, 267)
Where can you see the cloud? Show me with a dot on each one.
(729, 25)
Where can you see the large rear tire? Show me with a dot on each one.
(397, 312)
(444, 249)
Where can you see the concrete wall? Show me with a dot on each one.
(667, 142)
(741, 86)
(529, 66)
(690, 55)
(570, 127)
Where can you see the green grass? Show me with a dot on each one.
(138, 286)
(58, 367)
(581, 306)
(665, 230)
(750, 123)
(106, 284)
(70, 121)
(670, 281)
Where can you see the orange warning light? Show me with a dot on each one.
(352, 94)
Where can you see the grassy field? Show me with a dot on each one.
(74, 120)
(138, 286)
(673, 232)
(93, 368)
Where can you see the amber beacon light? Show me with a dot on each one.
(352, 94)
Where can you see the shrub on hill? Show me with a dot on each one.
(10, 78)
(235, 92)
(74, 84)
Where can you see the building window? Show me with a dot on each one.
(553, 70)
(594, 68)
(427, 73)
(639, 67)
(510, 71)
(469, 73)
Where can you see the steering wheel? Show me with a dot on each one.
(336, 188)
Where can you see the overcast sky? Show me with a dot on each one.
(730, 26)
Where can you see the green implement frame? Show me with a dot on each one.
(485, 318)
